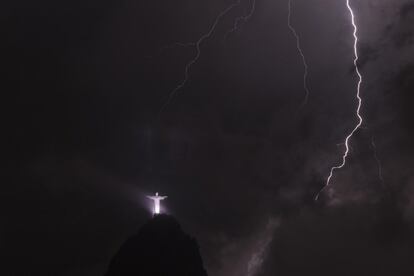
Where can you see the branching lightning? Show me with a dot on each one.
(298, 46)
(358, 96)
(241, 19)
(194, 60)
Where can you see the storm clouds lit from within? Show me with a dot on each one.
(281, 132)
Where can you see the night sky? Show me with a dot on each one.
(241, 161)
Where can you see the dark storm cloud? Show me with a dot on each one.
(407, 10)
(404, 83)
(231, 151)
(357, 240)
(362, 238)
(402, 28)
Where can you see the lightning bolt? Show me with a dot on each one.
(240, 19)
(358, 96)
(194, 60)
(298, 46)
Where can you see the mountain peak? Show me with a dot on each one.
(160, 248)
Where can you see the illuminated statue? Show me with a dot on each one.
(157, 200)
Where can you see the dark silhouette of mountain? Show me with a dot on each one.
(160, 248)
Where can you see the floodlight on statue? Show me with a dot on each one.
(157, 202)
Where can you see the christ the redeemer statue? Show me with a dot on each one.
(157, 200)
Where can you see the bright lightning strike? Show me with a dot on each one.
(305, 65)
(358, 95)
(197, 55)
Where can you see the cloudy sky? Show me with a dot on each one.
(238, 155)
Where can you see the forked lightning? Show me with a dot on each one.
(358, 96)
